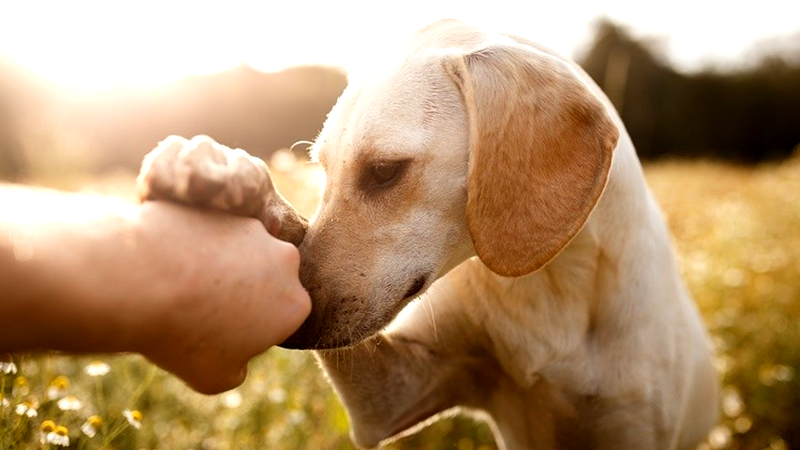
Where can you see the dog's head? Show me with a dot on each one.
(468, 143)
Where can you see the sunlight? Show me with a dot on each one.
(101, 50)
(90, 69)
(96, 44)
(103, 45)
(58, 207)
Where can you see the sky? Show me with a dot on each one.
(100, 44)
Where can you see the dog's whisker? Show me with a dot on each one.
(427, 307)
(432, 318)
(308, 143)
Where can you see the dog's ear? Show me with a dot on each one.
(541, 145)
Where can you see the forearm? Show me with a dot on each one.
(68, 266)
(184, 287)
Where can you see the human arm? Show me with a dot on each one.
(189, 289)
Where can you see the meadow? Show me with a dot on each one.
(737, 233)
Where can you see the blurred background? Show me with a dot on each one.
(709, 91)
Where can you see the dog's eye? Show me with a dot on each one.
(382, 174)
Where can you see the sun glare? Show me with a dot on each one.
(112, 46)
(103, 67)
(102, 44)
(97, 44)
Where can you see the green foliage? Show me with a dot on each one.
(751, 114)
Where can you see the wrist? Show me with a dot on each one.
(166, 255)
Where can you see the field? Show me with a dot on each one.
(737, 233)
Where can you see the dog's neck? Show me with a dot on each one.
(573, 291)
(576, 294)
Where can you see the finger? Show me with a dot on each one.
(156, 178)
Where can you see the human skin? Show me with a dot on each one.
(198, 293)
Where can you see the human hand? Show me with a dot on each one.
(197, 292)
(204, 173)
(232, 291)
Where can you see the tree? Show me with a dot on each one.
(748, 115)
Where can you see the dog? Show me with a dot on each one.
(485, 241)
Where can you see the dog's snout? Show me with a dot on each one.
(416, 286)
(299, 340)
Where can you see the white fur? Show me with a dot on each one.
(604, 337)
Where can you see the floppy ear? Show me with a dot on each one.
(540, 153)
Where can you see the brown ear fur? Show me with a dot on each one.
(541, 145)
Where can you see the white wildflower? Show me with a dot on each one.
(26, 409)
(97, 369)
(59, 437)
(8, 368)
(134, 417)
(58, 387)
(69, 403)
(45, 430)
(91, 426)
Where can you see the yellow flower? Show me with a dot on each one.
(60, 382)
(134, 417)
(58, 387)
(70, 403)
(4, 401)
(97, 369)
(21, 386)
(47, 427)
(91, 426)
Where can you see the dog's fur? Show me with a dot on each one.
(498, 168)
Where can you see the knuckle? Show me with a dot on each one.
(247, 186)
(202, 170)
(202, 148)
(157, 178)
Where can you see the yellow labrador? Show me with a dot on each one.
(489, 179)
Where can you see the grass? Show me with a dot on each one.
(737, 233)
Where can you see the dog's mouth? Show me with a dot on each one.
(313, 334)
